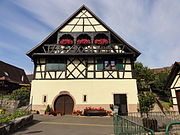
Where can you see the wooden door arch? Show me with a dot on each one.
(64, 104)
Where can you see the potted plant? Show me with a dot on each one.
(77, 112)
(109, 113)
(48, 110)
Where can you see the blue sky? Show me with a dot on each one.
(151, 26)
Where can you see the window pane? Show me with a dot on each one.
(106, 63)
(113, 63)
(55, 66)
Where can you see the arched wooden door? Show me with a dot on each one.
(64, 104)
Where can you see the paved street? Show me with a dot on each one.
(68, 125)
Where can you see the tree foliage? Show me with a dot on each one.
(159, 83)
(144, 76)
(22, 94)
(146, 102)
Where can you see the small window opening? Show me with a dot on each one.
(85, 98)
(44, 99)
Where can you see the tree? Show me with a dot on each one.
(144, 76)
(22, 94)
(146, 102)
(147, 80)
(159, 83)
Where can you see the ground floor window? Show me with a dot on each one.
(44, 98)
(84, 98)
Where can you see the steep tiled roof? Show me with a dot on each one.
(12, 74)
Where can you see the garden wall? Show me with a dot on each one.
(16, 124)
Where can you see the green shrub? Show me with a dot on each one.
(48, 109)
(146, 102)
(22, 94)
(13, 116)
(9, 96)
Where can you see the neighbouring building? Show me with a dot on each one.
(30, 77)
(83, 63)
(11, 78)
(173, 84)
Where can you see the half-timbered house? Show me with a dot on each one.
(83, 63)
(173, 84)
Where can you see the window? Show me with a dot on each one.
(84, 98)
(110, 65)
(44, 99)
(52, 65)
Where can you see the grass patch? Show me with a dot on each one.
(7, 96)
(166, 105)
(7, 117)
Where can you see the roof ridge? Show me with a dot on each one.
(11, 65)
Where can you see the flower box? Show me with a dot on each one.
(66, 42)
(94, 113)
(90, 111)
(101, 41)
(83, 41)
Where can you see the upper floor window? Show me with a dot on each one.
(54, 65)
(110, 65)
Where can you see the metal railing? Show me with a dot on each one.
(123, 126)
(173, 128)
(162, 118)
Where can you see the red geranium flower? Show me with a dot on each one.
(83, 41)
(101, 41)
(66, 42)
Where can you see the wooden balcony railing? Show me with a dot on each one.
(84, 49)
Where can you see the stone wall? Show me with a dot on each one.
(8, 104)
(16, 124)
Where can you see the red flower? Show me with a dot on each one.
(66, 42)
(94, 109)
(101, 41)
(83, 41)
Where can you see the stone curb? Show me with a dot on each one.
(15, 124)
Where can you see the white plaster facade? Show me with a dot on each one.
(99, 92)
(175, 87)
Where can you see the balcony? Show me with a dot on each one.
(92, 49)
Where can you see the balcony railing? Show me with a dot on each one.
(85, 49)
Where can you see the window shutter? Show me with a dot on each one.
(99, 65)
(120, 66)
